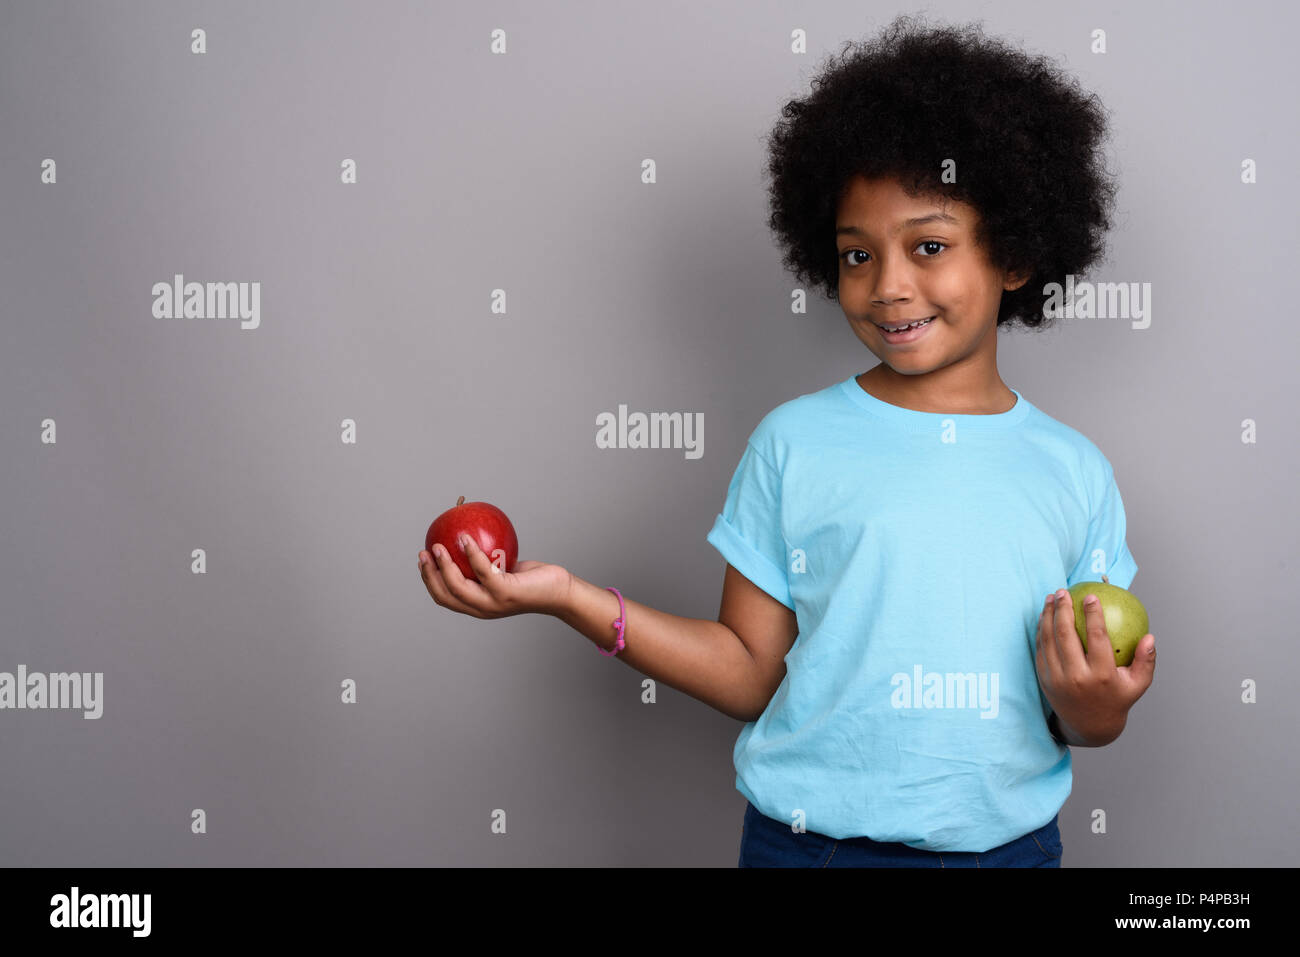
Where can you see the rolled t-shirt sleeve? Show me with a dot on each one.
(748, 531)
(1106, 551)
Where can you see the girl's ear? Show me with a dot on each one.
(1015, 279)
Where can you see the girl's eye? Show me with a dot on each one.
(927, 242)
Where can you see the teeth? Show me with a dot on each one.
(912, 326)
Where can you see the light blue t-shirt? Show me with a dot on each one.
(916, 550)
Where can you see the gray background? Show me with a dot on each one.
(522, 172)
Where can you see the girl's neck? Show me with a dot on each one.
(922, 393)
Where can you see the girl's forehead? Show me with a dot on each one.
(884, 206)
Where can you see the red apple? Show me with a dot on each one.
(486, 524)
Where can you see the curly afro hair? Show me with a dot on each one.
(1025, 138)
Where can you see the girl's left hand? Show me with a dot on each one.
(1088, 691)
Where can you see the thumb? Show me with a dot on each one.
(1144, 659)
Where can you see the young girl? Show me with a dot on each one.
(908, 691)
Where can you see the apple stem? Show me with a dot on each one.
(1105, 580)
(460, 500)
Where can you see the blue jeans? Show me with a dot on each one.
(765, 842)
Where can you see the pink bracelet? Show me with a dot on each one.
(619, 624)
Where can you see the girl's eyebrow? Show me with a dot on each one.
(905, 224)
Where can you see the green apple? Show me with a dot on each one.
(1126, 619)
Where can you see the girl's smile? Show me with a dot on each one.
(908, 333)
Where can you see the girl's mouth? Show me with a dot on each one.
(910, 334)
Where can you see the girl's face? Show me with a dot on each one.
(904, 259)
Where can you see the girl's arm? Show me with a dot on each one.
(734, 664)
(707, 660)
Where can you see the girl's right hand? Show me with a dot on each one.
(531, 587)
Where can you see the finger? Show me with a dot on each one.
(437, 577)
(433, 581)
(1068, 645)
(472, 593)
(1101, 655)
(1143, 667)
(1046, 640)
(489, 575)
